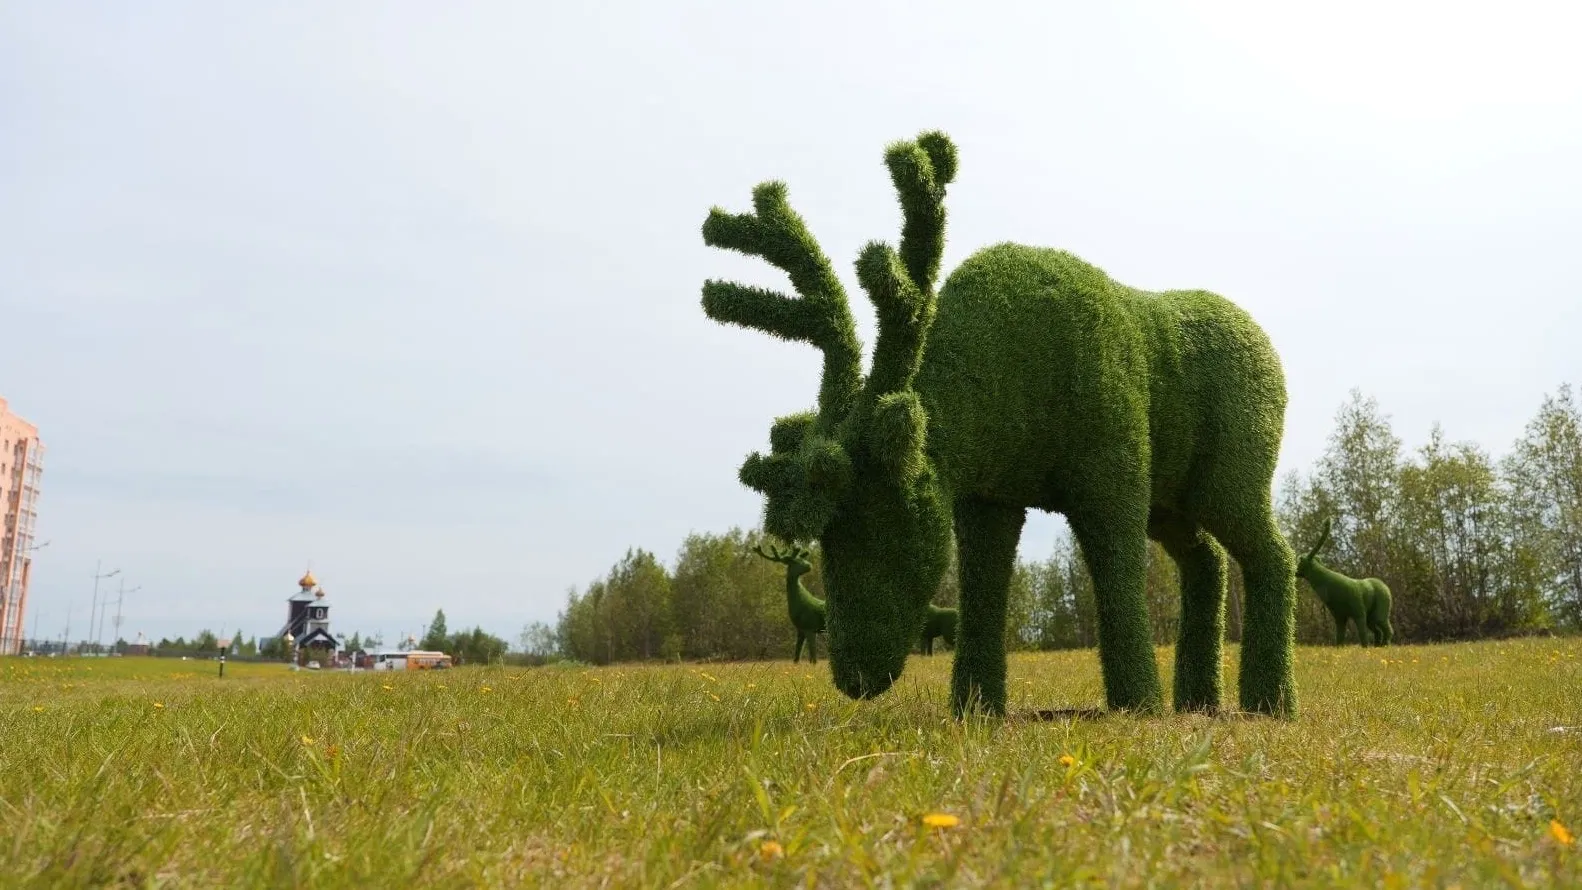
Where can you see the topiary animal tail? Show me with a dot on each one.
(1030, 380)
(1364, 602)
(806, 610)
(941, 622)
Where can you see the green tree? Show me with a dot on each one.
(637, 607)
(539, 640)
(1465, 573)
(475, 647)
(1544, 476)
(435, 636)
(1021, 604)
(1358, 475)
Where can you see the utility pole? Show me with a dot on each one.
(118, 599)
(97, 564)
(98, 637)
(65, 637)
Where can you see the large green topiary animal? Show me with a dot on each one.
(1364, 602)
(939, 622)
(1032, 380)
(806, 610)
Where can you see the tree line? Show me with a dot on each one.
(1471, 546)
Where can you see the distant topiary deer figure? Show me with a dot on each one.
(1030, 380)
(1365, 602)
(806, 610)
(941, 622)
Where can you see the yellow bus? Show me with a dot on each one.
(415, 660)
(426, 661)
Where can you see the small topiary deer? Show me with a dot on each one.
(941, 622)
(806, 610)
(1365, 603)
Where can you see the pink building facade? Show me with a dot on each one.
(21, 468)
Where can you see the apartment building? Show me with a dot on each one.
(21, 466)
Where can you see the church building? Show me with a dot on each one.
(308, 621)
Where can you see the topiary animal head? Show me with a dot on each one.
(795, 559)
(855, 474)
(1304, 565)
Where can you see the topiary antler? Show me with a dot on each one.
(785, 557)
(901, 286)
(821, 317)
(1322, 540)
(809, 468)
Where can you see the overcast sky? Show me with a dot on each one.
(410, 290)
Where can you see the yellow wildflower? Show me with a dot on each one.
(159, 704)
(1560, 834)
(1067, 760)
(941, 820)
(38, 707)
(771, 850)
(388, 686)
(485, 689)
(307, 740)
(812, 706)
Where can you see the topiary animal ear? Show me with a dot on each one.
(897, 433)
(802, 480)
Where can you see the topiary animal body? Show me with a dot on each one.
(806, 610)
(1031, 380)
(1365, 602)
(940, 622)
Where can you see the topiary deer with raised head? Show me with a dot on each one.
(806, 610)
(940, 622)
(1030, 380)
(1364, 602)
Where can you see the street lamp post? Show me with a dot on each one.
(35, 611)
(118, 599)
(224, 643)
(97, 565)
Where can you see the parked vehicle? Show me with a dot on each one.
(415, 660)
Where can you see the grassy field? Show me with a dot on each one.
(1429, 766)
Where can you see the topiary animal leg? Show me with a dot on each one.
(986, 539)
(812, 648)
(1340, 630)
(1201, 562)
(1118, 563)
(796, 656)
(1361, 620)
(1268, 568)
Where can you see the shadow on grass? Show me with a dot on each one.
(1050, 715)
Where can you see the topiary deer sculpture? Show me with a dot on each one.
(1029, 380)
(941, 622)
(806, 610)
(1364, 602)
